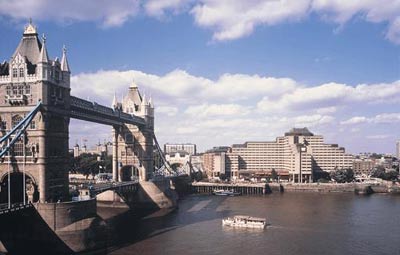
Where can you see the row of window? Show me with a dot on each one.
(13, 90)
(15, 72)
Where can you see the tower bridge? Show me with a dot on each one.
(34, 167)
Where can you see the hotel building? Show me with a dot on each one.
(298, 154)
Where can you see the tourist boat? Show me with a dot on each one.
(245, 222)
(221, 192)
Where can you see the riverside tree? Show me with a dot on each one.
(342, 175)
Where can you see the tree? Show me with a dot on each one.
(274, 174)
(378, 172)
(391, 175)
(342, 175)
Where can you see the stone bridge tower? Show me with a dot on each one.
(31, 76)
(133, 145)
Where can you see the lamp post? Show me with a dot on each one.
(302, 148)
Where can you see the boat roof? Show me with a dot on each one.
(245, 217)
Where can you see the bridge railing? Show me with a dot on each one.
(93, 107)
(5, 208)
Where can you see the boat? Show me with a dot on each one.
(221, 192)
(244, 221)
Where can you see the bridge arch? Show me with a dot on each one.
(17, 189)
(176, 166)
(129, 173)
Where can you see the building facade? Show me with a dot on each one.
(30, 77)
(179, 147)
(299, 154)
(398, 149)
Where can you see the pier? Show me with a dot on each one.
(244, 188)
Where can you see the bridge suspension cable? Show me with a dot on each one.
(17, 131)
(166, 168)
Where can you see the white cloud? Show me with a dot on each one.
(194, 108)
(355, 120)
(168, 110)
(312, 120)
(234, 19)
(109, 13)
(210, 110)
(227, 19)
(377, 136)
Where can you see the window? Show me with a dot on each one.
(128, 138)
(3, 125)
(56, 75)
(32, 125)
(18, 148)
(27, 89)
(15, 72)
(14, 90)
(8, 90)
(15, 120)
(21, 72)
(20, 90)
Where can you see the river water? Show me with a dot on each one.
(300, 223)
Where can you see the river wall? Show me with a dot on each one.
(265, 188)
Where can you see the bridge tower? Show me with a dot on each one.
(31, 76)
(133, 145)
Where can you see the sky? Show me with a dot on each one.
(222, 72)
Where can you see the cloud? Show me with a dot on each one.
(196, 109)
(168, 110)
(332, 94)
(355, 120)
(108, 13)
(230, 20)
(227, 19)
(378, 136)
(158, 8)
(211, 110)
(234, 19)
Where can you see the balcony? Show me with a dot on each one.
(17, 99)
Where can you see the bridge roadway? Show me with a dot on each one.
(98, 188)
(94, 112)
(4, 208)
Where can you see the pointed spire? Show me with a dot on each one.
(115, 101)
(151, 102)
(30, 29)
(43, 57)
(144, 101)
(133, 85)
(64, 61)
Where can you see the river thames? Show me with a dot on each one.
(300, 223)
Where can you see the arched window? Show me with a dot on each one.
(15, 120)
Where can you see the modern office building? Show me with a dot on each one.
(398, 149)
(299, 154)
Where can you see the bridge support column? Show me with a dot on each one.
(115, 154)
(42, 163)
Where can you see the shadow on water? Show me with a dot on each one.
(131, 226)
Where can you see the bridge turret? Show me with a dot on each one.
(66, 71)
(42, 68)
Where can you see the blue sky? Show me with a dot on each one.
(223, 72)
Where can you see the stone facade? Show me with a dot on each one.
(132, 145)
(29, 77)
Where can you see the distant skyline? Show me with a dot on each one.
(222, 72)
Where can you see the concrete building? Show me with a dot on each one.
(299, 153)
(398, 149)
(179, 147)
(104, 149)
(363, 166)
